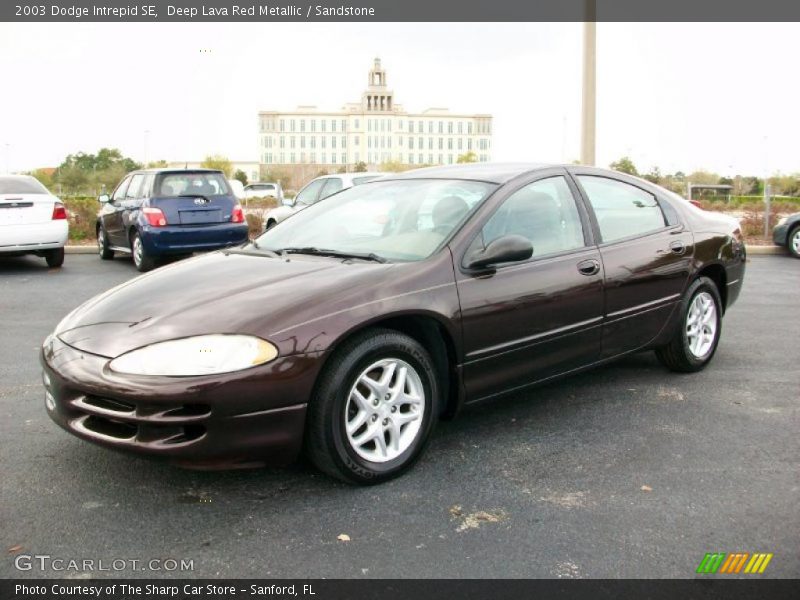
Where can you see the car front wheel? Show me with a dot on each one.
(105, 251)
(794, 242)
(695, 340)
(141, 260)
(374, 408)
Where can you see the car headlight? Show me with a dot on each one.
(199, 355)
(782, 221)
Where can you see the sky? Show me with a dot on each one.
(721, 97)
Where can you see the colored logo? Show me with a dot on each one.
(737, 562)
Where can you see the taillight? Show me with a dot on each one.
(237, 216)
(154, 216)
(59, 212)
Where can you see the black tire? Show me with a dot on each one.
(141, 260)
(676, 355)
(105, 251)
(790, 245)
(55, 258)
(326, 441)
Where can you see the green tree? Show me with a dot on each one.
(360, 167)
(219, 162)
(469, 157)
(654, 176)
(157, 164)
(624, 165)
(45, 177)
(241, 176)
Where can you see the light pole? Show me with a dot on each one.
(146, 135)
(8, 159)
(588, 107)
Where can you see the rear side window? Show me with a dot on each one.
(622, 210)
(21, 185)
(173, 185)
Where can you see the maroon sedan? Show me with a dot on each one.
(351, 328)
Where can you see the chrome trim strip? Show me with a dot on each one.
(732, 282)
(270, 411)
(532, 338)
(644, 306)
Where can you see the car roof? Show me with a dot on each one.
(176, 170)
(491, 172)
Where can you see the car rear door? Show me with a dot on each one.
(646, 253)
(531, 320)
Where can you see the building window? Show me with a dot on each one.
(302, 125)
(323, 124)
(291, 125)
(333, 142)
(441, 127)
(411, 127)
(324, 158)
(469, 144)
(283, 158)
(449, 159)
(449, 127)
(313, 142)
(344, 141)
(291, 142)
(356, 123)
(460, 127)
(313, 157)
(411, 143)
(344, 125)
(469, 128)
(333, 158)
(460, 143)
(344, 158)
(449, 143)
(441, 159)
(430, 126)
(281, 124)
(291, 158)
(441, 145)
(313, 125)
(302, 141)
(356, 141)
(333, 124)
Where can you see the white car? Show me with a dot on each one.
(32, 220)
(314, 191)
(262, 190)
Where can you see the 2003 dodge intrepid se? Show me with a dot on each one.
(351, 328)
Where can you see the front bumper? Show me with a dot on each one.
(34, 237)
(247, 418)
(159, 241)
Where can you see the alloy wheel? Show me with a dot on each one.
(384, 410)
(701, 325)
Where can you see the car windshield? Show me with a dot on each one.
(21, 185)
(402, 220)
(172, 185)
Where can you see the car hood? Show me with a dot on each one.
(222, 292)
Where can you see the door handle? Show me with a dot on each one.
(589, 267)
(677, 247)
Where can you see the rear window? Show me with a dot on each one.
(21, 185)
(173, 185)
(263, 186)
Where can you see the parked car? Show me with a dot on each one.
(263, 190)
(32, 220)
(787, 234)
(354, 347)
(156, 213)
(237, 187)
(315, 190)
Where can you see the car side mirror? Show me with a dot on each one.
(508, 248)
(289, 201)
(104, 199)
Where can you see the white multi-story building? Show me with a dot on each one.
(376, 130)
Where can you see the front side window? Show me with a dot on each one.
(133, 188)
(332, 185)
(544, 212)
(404, 220)
(308, 195)
(622, 210)
(119, 193)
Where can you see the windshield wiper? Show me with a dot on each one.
(243, 250)
(334, 253)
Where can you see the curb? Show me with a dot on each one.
(751, 250)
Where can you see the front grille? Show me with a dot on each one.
(109, 428)
(146, 424)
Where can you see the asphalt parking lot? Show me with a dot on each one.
(626, 471)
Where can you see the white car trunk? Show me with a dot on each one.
(25, 209)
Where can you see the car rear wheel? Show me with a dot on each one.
(697, 337)
(105, 251)
(793, 242)
(55, 258)
(374, 408)
(141, 260)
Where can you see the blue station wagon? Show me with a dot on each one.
(157, 213)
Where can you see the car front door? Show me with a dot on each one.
(646, 253)
(111, 215)
(528, 321)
